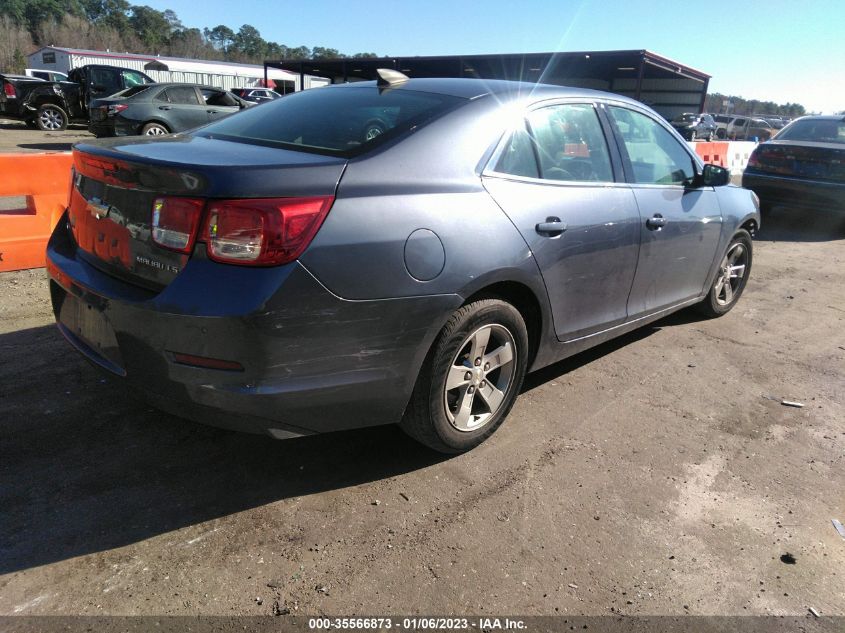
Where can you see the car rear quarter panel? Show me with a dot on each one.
(430, 180)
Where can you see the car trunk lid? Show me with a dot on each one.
(815, 161)
(116, 185)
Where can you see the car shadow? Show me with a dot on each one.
(782, 224)
(86, 469)
(48, 147)
(567, 365)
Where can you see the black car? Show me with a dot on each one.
(156, 109)
(804, 166)
(695, 126)
(256, 95)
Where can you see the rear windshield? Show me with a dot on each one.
(129, 92)
(342, 121)
(820, 130)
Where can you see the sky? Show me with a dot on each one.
(773, 51)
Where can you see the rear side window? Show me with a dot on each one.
(655, 155)
(131, 92)
(517, 157)
(186, 95)
(342, 121)
(570, 143)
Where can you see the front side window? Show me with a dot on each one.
(656, 157)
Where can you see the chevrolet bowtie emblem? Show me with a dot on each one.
(98, 209)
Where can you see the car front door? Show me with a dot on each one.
(554, 176)
(681, 223)
(180, 108)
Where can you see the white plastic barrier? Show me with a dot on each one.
(735, 157)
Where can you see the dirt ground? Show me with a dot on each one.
(657, 474)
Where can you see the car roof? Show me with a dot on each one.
(180, 83)
(503, 89)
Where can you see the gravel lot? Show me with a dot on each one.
(657, 474)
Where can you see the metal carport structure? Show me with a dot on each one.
(668, 86)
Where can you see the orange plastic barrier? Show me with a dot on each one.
(715, 153)
(44, 180)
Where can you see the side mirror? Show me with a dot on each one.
(715, 176)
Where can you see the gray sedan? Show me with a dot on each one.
(285, 271)
(156, 109)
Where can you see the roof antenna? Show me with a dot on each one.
(390, 77)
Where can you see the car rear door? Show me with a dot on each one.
(180, 108)
(681, 224)
(554, 177)
(219, 103)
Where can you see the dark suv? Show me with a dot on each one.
(695, 126)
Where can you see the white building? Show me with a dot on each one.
(225, 75)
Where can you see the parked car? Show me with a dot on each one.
(256, 95)
(695, 126)
(51, 105)
(155, 109)
(285, 272)
(722, 121)
(804, 166)
(743, 128)
(46, 75)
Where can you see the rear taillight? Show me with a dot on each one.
(753, 161)
(262, 232)
(175, 222)
(111, 110)
(9, 90)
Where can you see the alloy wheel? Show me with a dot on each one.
(731, 273)
(480, 377)
(51, 119)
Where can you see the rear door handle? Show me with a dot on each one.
(656, 222)
(164, 107)
(212, 111)
(552, 227)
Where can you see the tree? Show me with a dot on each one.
(15, 44)
(221, 38)
(248, 43)
(318, 52)
(150, 26)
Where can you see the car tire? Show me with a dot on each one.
(154, 129)
(459, 401)
(729, 283)
(721, 134)
(50, 118)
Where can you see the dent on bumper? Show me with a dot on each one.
(313, 362)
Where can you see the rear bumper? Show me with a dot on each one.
(312, 361)
(793, 192)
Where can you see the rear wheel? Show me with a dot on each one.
(154, 129)
(50, 118)
(731, 277)
(470, 379)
